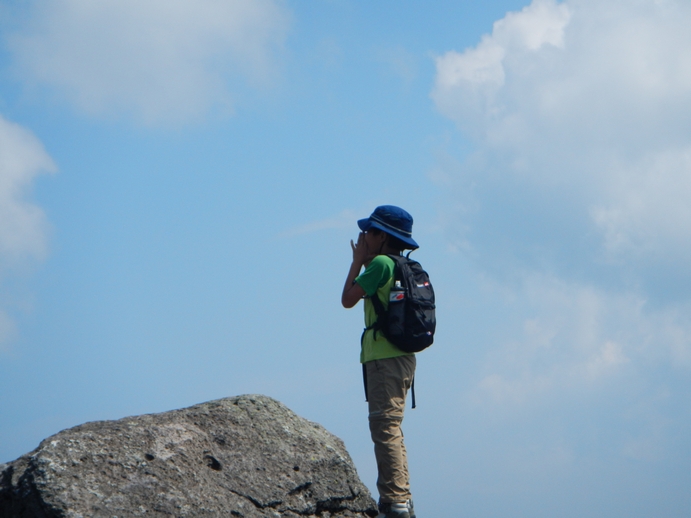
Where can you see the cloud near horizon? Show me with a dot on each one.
(162, 61)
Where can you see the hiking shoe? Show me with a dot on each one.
(397, 510)
(411, 509)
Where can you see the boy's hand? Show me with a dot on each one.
(352, 291)
(360, 252)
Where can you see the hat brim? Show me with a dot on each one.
(367, 223)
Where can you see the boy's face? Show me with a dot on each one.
(374, 239)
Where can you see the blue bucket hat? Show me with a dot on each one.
(392, 220)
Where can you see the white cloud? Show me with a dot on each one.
(581, 116)
(22, 224)
(573, 206)
(160, 60)
(647, 211)
(467, 82)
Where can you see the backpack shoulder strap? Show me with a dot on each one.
(381, 314)
(377, 304)
(398, 261)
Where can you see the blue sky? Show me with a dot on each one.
(179, 182)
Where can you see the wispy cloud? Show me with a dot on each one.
(8, 330)
(22, 223)
(573, 337)
(399, 62)
(344, 219)
(161, 61)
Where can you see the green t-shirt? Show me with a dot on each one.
(377, 278)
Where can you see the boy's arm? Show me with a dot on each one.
(352, 291)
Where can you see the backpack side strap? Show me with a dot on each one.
(381, 314)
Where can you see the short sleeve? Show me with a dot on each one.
(377, 273)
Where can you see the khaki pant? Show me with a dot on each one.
(388, 382)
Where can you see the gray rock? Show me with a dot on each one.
(247, 456)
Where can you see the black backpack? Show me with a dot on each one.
(409, 323)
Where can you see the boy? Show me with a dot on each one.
(388, 371)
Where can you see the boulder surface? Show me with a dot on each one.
(246, 456)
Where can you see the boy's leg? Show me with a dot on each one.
(388, 382)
